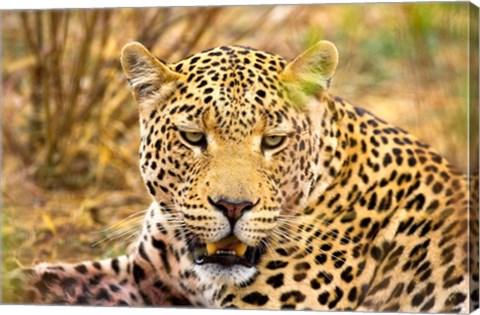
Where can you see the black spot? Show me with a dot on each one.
(229, 298)
(404, 225)
(374, 141)
(283, 252)
(418, 299)
(150, 188)
(352, 295)
(427, 306)
(339, 262)
(50, 278)
(81, 269)
(321, 259)
(103, 295)
(207, 99)
(339, 295)
(276, 281)
(373, 231)
(194, 60)
(347, 274)
(426, 228)
(382, 285)
(202, 84)
(365, 222)
(437, 188)
(315, 284)
(376, 253)
(419, 201)
(412, 161)
(323, 298)
(114, 288)
(133, 297)
(302, 266)
(261, 93)
(115, 265)
(327, 277)
(68, 285)
(455, 298)
(411, 287)
(138, 273)
(160, 245)
(178, 67)
(391, 308)
(326, 247)
(398, 290)
(276, 264)
(143, 254)
(372, 203)
(450, 283)
(299, 277)
(255, 298)
(298, 296)
(95, 280)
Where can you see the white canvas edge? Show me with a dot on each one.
(81, 310)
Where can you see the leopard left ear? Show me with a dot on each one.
(145, 73)
(310, 73)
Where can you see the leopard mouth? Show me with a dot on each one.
(227, 252)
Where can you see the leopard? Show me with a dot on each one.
(268, 192)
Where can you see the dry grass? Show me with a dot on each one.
(70, 132)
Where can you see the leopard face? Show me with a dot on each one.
(226, 148)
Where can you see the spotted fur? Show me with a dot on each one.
(350, 212)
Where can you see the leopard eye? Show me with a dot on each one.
(272, 142)
(194, 138)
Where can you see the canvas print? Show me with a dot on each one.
(307, 157)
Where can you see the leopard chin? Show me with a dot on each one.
(236, 275)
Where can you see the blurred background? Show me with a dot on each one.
(71, 189)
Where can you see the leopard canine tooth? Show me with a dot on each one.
(240, 249)
(211, 248)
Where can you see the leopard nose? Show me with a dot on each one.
(232, 210)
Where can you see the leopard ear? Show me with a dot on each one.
(145, 73)
(310, 73)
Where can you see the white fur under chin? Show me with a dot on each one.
(232, 275)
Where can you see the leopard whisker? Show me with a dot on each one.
(307, 240)
(335, 233)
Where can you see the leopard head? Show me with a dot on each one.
(233, 141)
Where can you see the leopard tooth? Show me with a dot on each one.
(240, 249)
(211, 248)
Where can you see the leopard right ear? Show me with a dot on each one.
(309, 75)
(145, 73)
